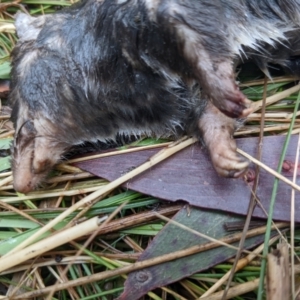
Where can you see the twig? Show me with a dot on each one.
(252, 202)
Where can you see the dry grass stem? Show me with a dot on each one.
(118, 152)
(243, 262)
(43, 195)
(50, 262)
(274, 115)
(4, 117)
(235, 291)
(278, 277)
(116, 225)
(19, 212)
(51, 242)
(7, 27)
(275, 98)
(6, 181)
(70, 177)
(267, 128)
(5, 174)
(295, 131)
(272, 80)
(140, 265)
(7, 134)
(275, 120)
(291, 115)
(185, 284)
(176, 295)
(67, 168)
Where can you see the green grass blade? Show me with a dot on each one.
(272, 204)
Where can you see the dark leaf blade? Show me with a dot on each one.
(189, 176)
(170, 239)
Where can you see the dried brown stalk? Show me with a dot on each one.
(278, 277)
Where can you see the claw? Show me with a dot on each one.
(217, 130)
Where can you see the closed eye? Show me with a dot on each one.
(25, 136)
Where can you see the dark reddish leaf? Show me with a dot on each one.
(170, 239)
(189, 176)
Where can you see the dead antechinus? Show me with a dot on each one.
(155, 67)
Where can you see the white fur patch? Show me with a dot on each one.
(152, 6)
(128, 57)
(260, 31)
(26, 62)
(122, 1)
(28, 28)
(55, 42)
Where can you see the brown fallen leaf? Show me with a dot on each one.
(189, 176)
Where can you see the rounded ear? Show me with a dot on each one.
(28, 27)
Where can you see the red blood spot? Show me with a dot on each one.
(287, 166)
(250, 175)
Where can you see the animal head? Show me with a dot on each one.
(38, 143)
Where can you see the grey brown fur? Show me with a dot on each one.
(157, 67)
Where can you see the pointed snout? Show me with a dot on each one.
(21, 185)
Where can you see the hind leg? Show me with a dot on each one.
(217, 130)
(205, 46)
(218, 82)
(215, 75)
